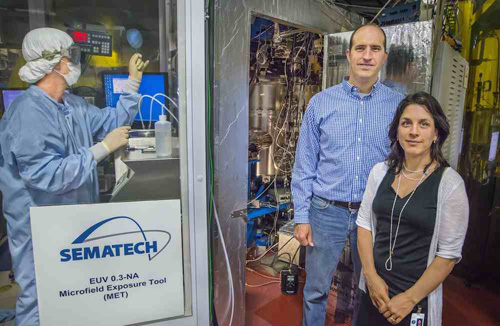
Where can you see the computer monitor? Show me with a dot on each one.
(8, 95)
(151, 84)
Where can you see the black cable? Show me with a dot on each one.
(209, 48)
(295, 254)
(279, 249)
(271, 266)
(276, 258)
(214, 320)
(289, 257)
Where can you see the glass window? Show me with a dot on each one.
(140, 209)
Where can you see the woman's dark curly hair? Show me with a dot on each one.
(396, 158)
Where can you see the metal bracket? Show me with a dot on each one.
(239, 213)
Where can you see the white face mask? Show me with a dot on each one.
(74, 73)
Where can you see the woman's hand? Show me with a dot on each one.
(399, 307)
(379, 292)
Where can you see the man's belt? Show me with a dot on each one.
(352, 206)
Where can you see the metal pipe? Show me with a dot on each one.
(340, 4)
(164, 14)
(380, 11)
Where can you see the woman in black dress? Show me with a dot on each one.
(412, 221)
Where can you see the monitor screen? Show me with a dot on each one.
(151, 84)
(8, 95)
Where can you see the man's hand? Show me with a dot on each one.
(116, 139)
(303, 233)
(398, 308)
(136, 66)
(379, 292)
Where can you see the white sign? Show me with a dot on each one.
(108, 264)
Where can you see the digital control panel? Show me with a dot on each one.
(93, 43)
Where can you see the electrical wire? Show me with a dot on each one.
(264, 191)
(286, 150)
(281, 130)
(270, 248)
(259, 285)
(262, 256)
(282, 135)
(287, 140)
(262, 275)
(289, 258)
(253, 38)
(224, 248)
(275, 216)
(275, 139)
(209, 52)
(277, 169)
(295, 254)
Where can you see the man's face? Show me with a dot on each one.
(367, 54)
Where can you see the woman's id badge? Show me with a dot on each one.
(417, 318)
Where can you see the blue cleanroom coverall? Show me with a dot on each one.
(45, 160)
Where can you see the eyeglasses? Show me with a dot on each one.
(73, 53)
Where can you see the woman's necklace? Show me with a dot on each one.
(407, 177)
(392, 245)
(416, 171)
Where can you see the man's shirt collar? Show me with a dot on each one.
(350, 88)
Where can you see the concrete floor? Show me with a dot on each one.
(266, 306)
(462, 306)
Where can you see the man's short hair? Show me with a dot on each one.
(374, 25)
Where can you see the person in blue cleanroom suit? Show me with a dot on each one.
(48, 154)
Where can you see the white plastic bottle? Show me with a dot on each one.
(163, 137)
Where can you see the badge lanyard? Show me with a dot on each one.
(392, 245)
(417, 318)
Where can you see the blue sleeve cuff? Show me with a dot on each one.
(301, 219)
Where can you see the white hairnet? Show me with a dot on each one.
(37, 42)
